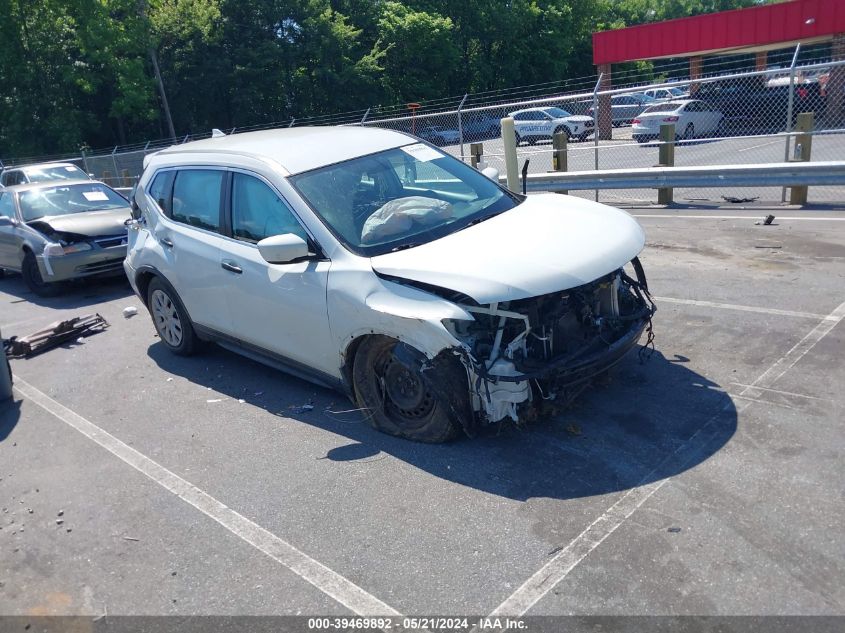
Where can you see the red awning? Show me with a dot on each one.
(761, 28)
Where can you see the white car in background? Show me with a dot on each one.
(535, 124)
(42, 172)
(692, 118)
(665, 94)
(369, 261)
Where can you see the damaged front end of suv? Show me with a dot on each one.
(526, 357)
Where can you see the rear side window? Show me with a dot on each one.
(7, 205)
(161, 189)
(196, 198)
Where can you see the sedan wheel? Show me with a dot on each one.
(34, 281)
(689, 132)
(170, 319)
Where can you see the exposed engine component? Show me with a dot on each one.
(530, 350)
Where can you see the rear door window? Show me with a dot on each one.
(161, 190)
(7, 205)
(196, 198)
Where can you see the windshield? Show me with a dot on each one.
(55, 172)
(400, 198)
(68, 199)
(558, 113)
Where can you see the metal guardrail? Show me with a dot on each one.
(793, 174)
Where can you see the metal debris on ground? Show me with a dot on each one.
(674, 530)
(54, 335)
(301, 408)
(766, 222)
(130, 311)
(735, 200)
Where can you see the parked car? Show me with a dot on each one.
(534, 124)
(363, 259)
(666, 94)
(750, 105)
(52, 232)
(625, 108)
(42, 172)
(480, 126)
(438, 134)
(692, 118)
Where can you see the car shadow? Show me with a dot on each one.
(75, 294)
(10, 413)
(645, 425)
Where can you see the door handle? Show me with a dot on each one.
(166, 242)
(232, 267)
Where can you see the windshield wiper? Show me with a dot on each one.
(480, 220)
(402, 247)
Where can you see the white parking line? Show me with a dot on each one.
(329, 582)
(684, 216)
(733, 306)
(745, 149)
(559, 567)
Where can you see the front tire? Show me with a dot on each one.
(397, 400)
(34, 281)
(170, 319)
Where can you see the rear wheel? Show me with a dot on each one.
(34, 281)
(689, 132)
(170, 319)
(397, 399)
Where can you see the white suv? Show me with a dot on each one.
(534, 124)
(368, 261)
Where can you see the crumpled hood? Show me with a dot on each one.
(548, 243)
(87, 224)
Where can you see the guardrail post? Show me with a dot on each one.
(667, 159)
(106, 177)
(559, 158)
(803, 149)
(476, 151)
(125, 178)
(511, 166)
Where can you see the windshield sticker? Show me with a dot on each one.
(70, 168)
(95, 196)
(421, 152)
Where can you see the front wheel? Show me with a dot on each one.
(396, 398)
(170, 319)
(34, 281)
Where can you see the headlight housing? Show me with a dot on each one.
(53, 250)
(77, 247)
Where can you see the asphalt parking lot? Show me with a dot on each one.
(706, 480)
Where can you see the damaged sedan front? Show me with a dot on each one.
(53, 232)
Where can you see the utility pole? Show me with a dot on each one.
(142, 9)
(165, 105)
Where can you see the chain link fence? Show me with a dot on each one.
(723, 117)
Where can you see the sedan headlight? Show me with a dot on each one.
(53, 250)
(78, 247)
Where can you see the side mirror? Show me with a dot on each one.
(283, 249)
(7, 221)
